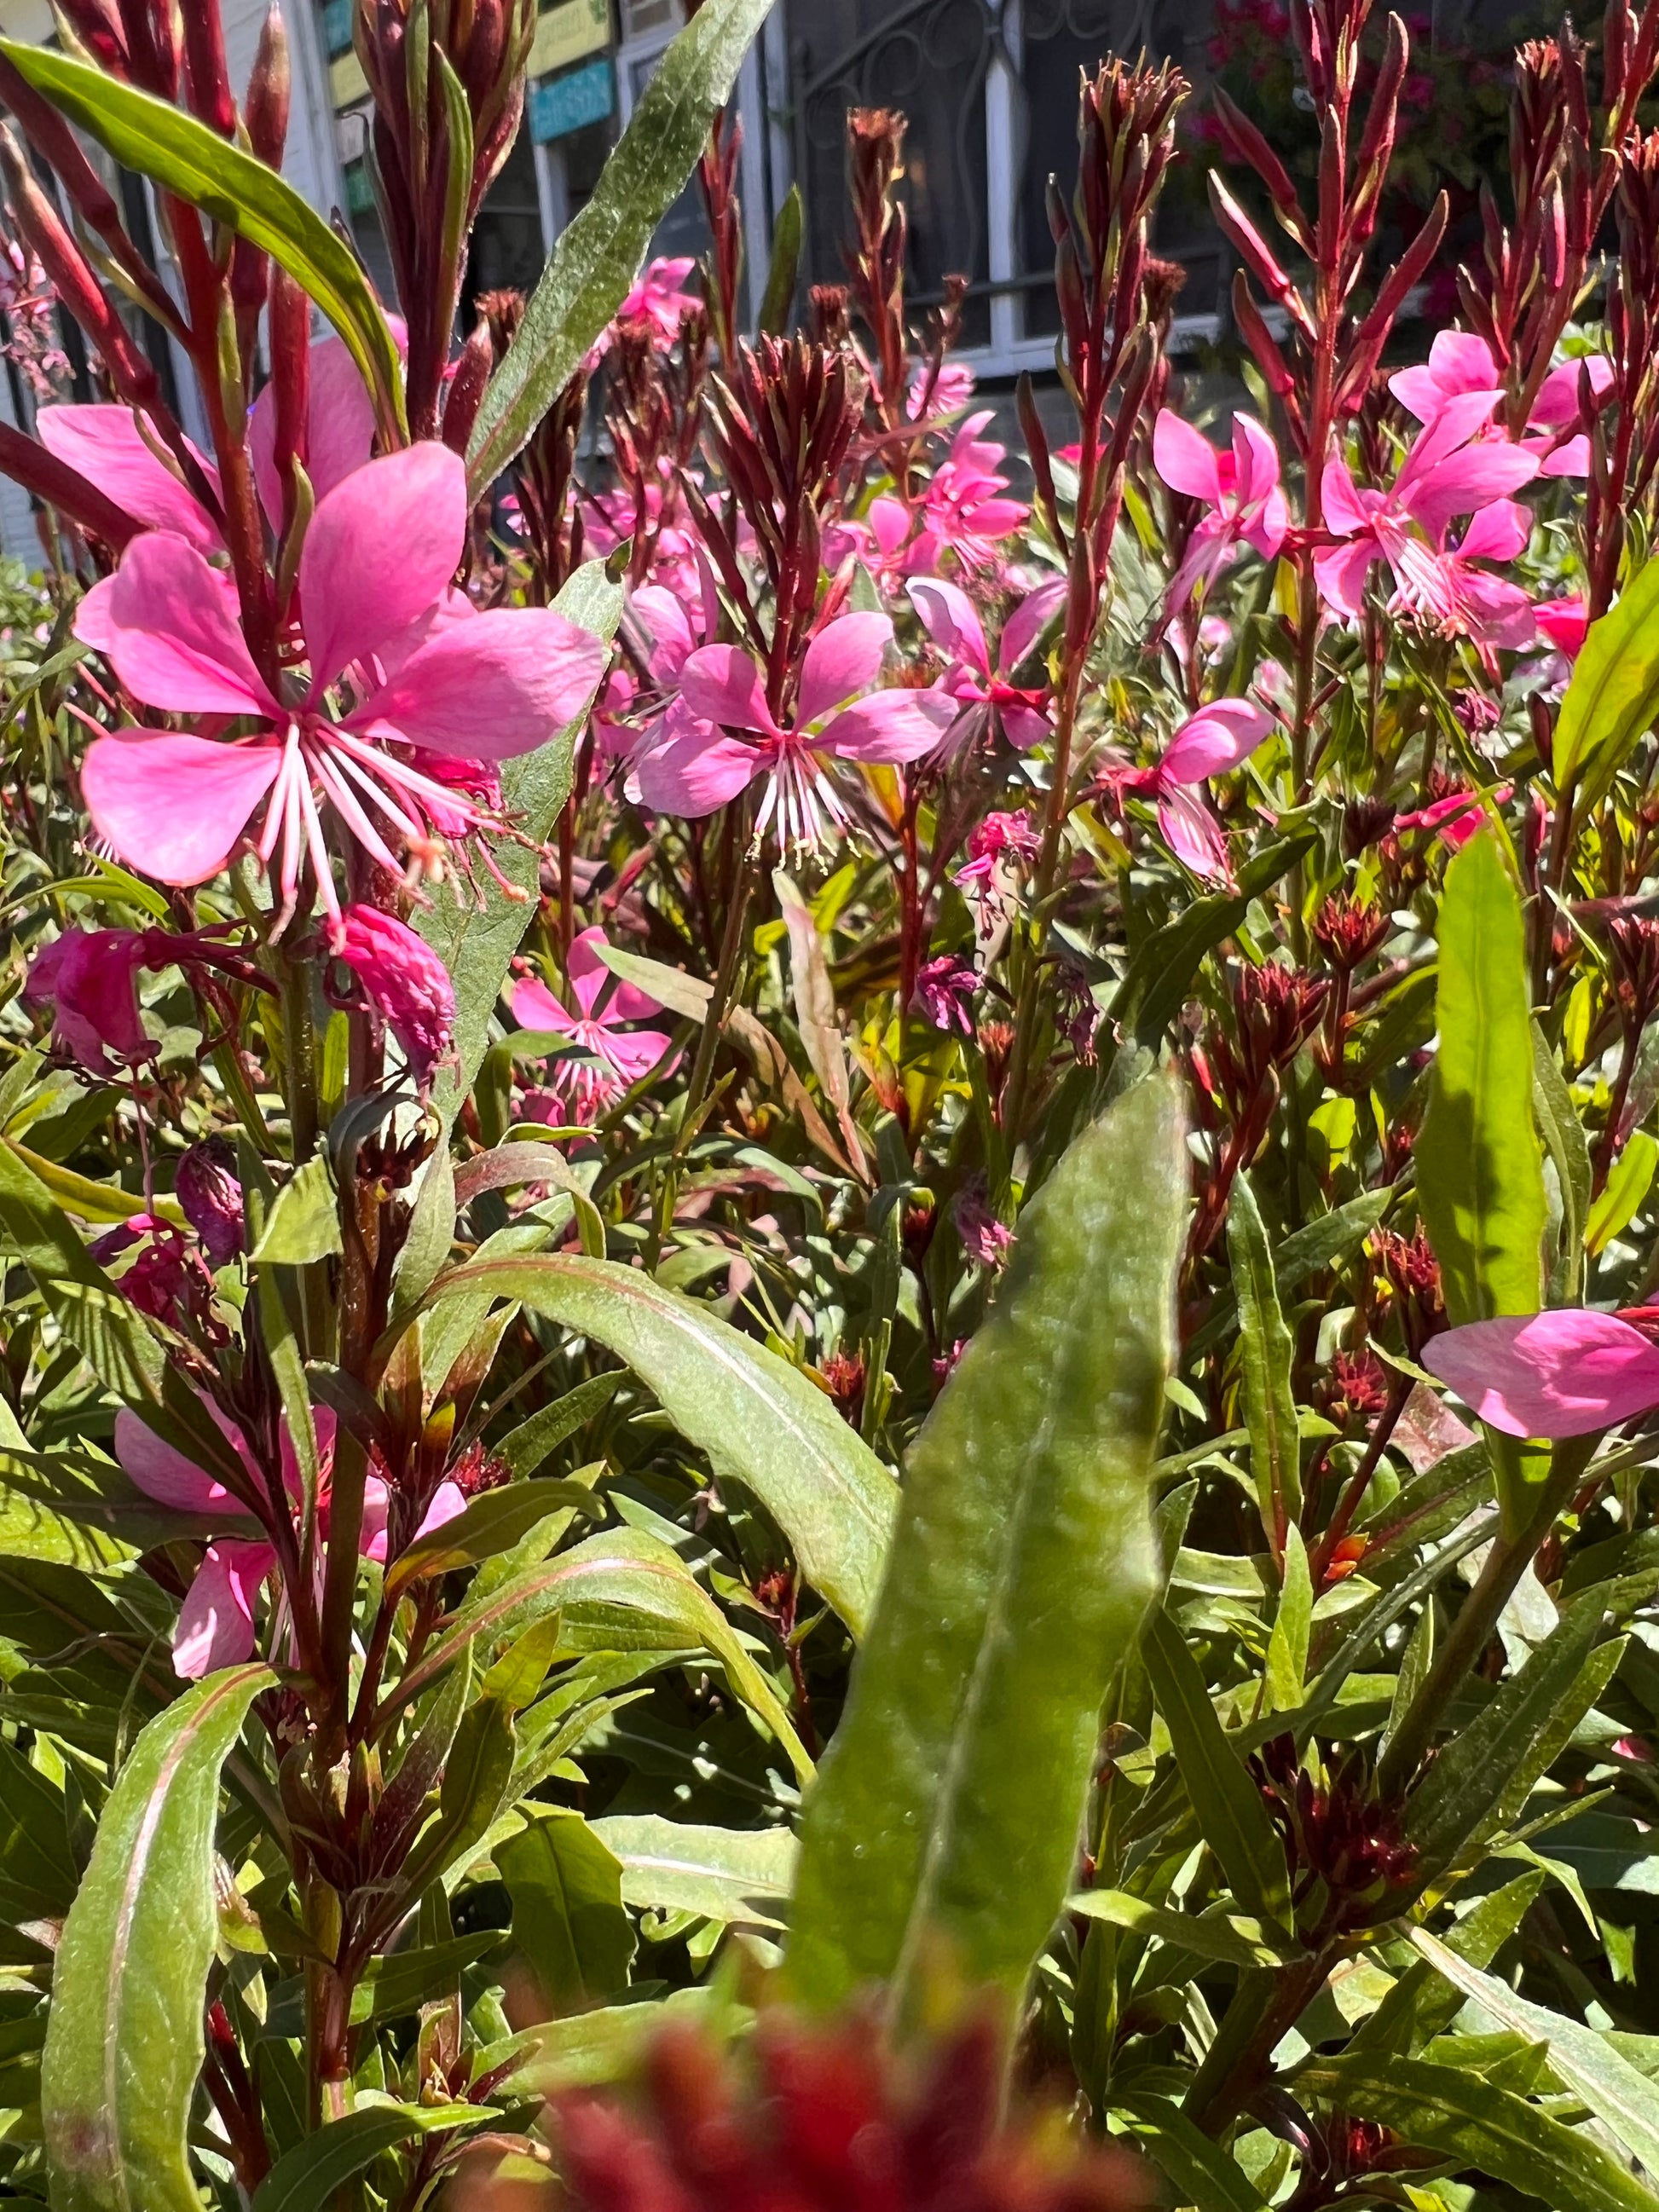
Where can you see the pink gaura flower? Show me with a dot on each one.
(724, 735)
(216, 1621)
(656, 299)
(109, 447)
(609, 519)
(1455, 818)
(1448, 472)
(1241, 489)
(986, 880)
(1459, 363)
(1565, 623)
(935, 394)
(1562, 1374)
(951, 620)
(1212, 742)
(89, 978)
(964, 512)
(399, 665)
(405, 982)
(604, 1007)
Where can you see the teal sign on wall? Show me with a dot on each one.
(560, 105)
(336, 25)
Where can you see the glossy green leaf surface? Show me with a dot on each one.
(307, 2178)
(757, 1418)
(947, 1814)
(125, 2044)
(1476, 2123)
(1614, 695)
(568, 1919)
(598, 255)
(684, 1866)
(1479, 1178)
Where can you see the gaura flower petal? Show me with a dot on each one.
(379, 553)
(693, 775)
(890, 726)
(1214, 740)
(174, 806)
(951, 620)
(106, 444)
(168, 624)
(1549, 1375)
(844, 658)
(165, 1475)
(488, 688)
(1186, 461)
(339, 428)
(216, 1621)
(1028, 622)
(720, 683)
(535, 1007)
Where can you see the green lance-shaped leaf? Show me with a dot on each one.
(620, 1591)
(306, 2178)
(477, 936)
(756, 1417)
(1467, 2119)
(568, 1917)
(1480, 1177)
(1621, 2097)
(1562, 1133)
(741, 1875)
(173, 149)
(1232, 1817)
(1266, 1348)
(1202, 2173)
(598, 254)
(1614, 695)
(946, 1818)
(125, 2043)
(779, 291)
(1479, 1182)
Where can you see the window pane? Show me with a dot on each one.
(929, 60)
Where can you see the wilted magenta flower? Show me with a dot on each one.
(403, 981)
(1548, 1375)
(951, 620)
(597, 1025)
(1459, 363)
(724, 734)
(944, 992)
(987, 1241)
(90, 979)
(1450, 471)
(1241, 489)
(206, 1186)
(167, 1279)
(1209, 742)
(106, 445)
(216, 1621)
(382, 627)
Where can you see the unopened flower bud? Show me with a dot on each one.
(270, 88)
